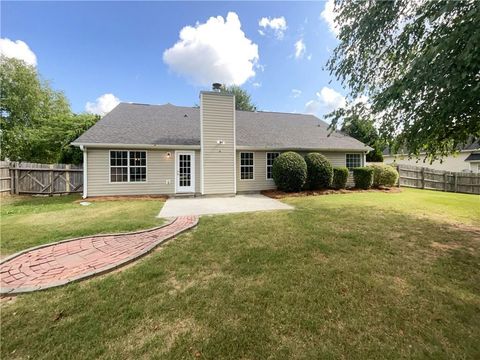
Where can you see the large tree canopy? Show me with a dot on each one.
(418, 64)
(243, 100)
(358, 125)
(36, 123)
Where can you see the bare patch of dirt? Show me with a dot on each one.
(277, 194)
(124, 198)
(445, 247)
(7, 299)
(180, 286)
(319, 257)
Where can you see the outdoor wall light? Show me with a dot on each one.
(169, 154)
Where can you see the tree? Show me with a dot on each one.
(358, 124)
(36, 122)
(243, 100)
(27, 106)
(78, 124)
(418, 62)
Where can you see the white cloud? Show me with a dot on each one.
(277, 25)
(328, 14)
(296, 93)
(300, 49)
(102, 105)
(216, 51)
(257, 84)
(326, 101)
(18, 50)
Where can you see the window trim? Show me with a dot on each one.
(253, 165)
(266, 164)
(128, 167)
(346, 164)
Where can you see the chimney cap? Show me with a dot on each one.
(216, 86)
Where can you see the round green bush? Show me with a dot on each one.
(363, 177)
(384, 175)
(340, 177)
(289, 172)
(319, 171)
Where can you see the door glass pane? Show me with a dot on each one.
(184, 170)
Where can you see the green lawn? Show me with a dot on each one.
(31, 221)
(354, 276)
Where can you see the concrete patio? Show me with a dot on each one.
(220, 205)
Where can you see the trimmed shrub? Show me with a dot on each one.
(319, 171)
(363, 177)
(289, 171)
(384, 175)
(340, 177)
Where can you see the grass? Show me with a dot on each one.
(31, 221)
(367, 275)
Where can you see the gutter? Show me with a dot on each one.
(136, 146)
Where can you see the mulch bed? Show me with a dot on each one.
(277, 194)
(123, 198)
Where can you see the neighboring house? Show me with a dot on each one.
(141, 149)
(466, 160)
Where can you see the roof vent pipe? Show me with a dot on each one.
(216, 87)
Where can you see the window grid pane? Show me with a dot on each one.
(353, 161)
(138, 166)
(128, 166)
(271, 156)
(246, 166)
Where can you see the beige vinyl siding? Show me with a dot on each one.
(454, 163)
(260, 181)
(217, 117)
(160, 168)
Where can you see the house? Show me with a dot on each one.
(139, 149)
(466, 160)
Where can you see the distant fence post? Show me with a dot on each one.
(17, 190)
(67, 179)
(399, 176)
(456, 182)
(50, 178)
(423, 178)
(12, 178)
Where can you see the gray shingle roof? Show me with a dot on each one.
(473, 157)
(177, 125)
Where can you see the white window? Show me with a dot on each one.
(246, 166)
(353, 161)
(128, 166)
(271, 156)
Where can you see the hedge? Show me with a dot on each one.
(319, 171)
(384, 175)
(340, 177)
(289, 171)
(363, 177)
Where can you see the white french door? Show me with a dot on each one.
(184, 171)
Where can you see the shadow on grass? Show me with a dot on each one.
(320, 281)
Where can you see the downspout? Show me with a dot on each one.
(85, 177)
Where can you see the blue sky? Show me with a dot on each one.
(89, 49)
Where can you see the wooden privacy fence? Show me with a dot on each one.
(425, 178)
(47, 179)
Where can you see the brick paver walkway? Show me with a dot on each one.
(66, 261)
